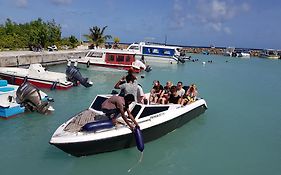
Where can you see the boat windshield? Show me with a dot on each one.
(95, 54)
(150, 110)
(136, 110)
(134, 48)
(96, 105)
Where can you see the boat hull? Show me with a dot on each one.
(18, 80)
(11, 111)
(157, 59)
(111, 66)
(128, 140)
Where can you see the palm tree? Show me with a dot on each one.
(116, 41)
(96, 36)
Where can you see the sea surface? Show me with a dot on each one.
(240, 133)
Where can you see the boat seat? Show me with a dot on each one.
(6, 89)
(3, 83)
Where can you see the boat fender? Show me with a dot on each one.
(139, 139)
(54, 85)
(88, 64)
(97, 125)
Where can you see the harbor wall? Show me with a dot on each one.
(23, 58)
(210, 50)
(45, 58)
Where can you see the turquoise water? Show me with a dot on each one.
(240, 133)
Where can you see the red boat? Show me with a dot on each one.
(37, 76)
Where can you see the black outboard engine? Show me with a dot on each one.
(148, 68)
(181, 60)
(74, 75)
(29, 96)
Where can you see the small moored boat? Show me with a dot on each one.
(8, 105)
(36, 75)
(154, 121)
(269, 53)
(17, 99)
(158, 52)
(113, 59)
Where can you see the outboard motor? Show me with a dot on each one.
(29, 96)
(179, 59)
(142, 64)
(74, 75)
(148, 68)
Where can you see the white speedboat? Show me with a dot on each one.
(17, 99)
(232, 52)
(229, 51)
(112, 59)
(36, 75)
(154, 120)
(157, 52)
(269, 53)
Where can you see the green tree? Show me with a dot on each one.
(73, 41)
(53, 32)
(116, 41)
(96, 36)
(36, 33)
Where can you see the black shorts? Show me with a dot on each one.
(111, 113)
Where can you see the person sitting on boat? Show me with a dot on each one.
(174, 97)
(155, 91)
(180, 90)
(129, 87)
(190, 95)
(116, 105)
(165, 93)
(141, 96)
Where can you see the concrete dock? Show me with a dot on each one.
(22, 58)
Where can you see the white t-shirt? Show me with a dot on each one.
(180, 92)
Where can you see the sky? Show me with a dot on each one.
(222, 23)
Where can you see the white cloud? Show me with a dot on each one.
(211, 13)
(216, 26)
(245, 7)
(21, 3)
(61, 2)
(227, 30)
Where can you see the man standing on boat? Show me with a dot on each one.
(116, 105)
(129, 87)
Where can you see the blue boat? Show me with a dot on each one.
(18, 99)
(8, 105)
(151, 52)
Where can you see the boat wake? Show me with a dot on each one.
(135, 165)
